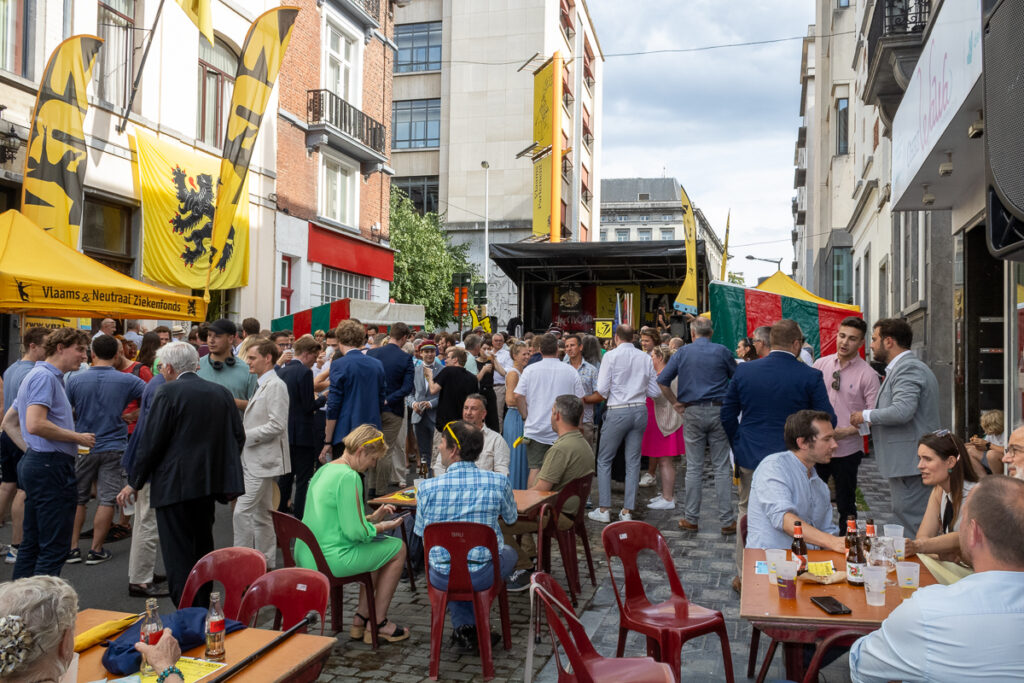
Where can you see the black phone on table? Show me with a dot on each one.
(830, 605)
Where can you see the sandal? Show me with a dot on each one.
(400, 633)
(356, 632)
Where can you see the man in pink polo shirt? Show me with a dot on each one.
(852, 387)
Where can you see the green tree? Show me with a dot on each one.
(424, 260)
(737, 278)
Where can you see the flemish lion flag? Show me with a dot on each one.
(177, 187)
(258, 66)
(200, 14)
(53, 191)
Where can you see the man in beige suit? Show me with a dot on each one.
(265, 456)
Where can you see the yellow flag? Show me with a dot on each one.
(686, 300)
(258, 66)
(725, 249)
(53, 191)
(177, 187)
(200, 14)
(475, 322)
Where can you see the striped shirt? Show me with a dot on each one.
(465, 494)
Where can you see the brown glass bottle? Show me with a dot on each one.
(869, 535)
(799, 547)
(856, 559)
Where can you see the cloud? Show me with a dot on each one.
(721, 121)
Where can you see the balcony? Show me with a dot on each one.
(337, 124)
(366, 13)
(895, 39)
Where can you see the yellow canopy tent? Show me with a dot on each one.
(784, 285)
(42, 276)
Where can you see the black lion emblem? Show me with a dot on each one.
(194, 217)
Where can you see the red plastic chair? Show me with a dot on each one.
(585, 665)
(288, 530)
(666, 625)
(578, 489)
(235, 568)
(458, 538)
(837, 638)
(293, 592)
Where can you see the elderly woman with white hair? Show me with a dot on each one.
(37, 634)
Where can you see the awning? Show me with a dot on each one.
(784, 285)
(351, 253)
(40, 275)
(327, 316)
(583, 263)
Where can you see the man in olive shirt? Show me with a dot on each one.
(568, 459)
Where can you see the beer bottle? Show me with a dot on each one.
(856, 560)
(150, 631)
(215, 630)
(869, 535)
(799, 547)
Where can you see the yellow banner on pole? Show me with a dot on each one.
(541, 196)
(201, 15)
(686, 300)
(725, 249)
(177, 187)
(53, 191)
(258, 67)
(543, 103)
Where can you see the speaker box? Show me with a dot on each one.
(1003, 73)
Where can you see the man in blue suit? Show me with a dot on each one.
(762, 394)
(303, 405)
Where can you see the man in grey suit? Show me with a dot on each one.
(907, 408)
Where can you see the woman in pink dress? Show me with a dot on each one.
(663, 438)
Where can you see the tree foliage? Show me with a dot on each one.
(424, 260)
(737, 278)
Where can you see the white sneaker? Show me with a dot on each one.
(599, 515)
(625, 516)
(647, 480)
(661, 504)
(654, 500)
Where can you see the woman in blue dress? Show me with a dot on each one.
(518, 469)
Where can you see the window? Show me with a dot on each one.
(340, 58)
(911, 258)
(14, 55)
(566, 18)
(604, 235)
(106, 234)
(340, 284)
(588, 63)
(842, 3)
(883, 291)
(337, 190)
(621, 235)
(842, 126)
(217, 67)
(284, 303)
(584, 233)
(856, 286)
(666, 217)
(114, 65)
(421, 190)
(419, 47)
(644, 234)
(644, 219)
(668, 233)
(417, 124)
(841, 275)
(865, 307)
(643, 197)
(620, 218)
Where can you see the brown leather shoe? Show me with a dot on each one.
(729, 530)
(683, 524)
(736, 585)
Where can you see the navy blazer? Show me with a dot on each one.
(762, 394)
(302, 404)
(357, 392)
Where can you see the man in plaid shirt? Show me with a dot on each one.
(466, 494)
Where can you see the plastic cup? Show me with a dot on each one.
(416, 484)
(899, 546)
(874, 585)
(787, 579)
(774, 558)
(893, 530)
(908, 575)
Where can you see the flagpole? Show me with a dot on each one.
(123, 123)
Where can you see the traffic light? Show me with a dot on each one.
(461, 279)
(480, 294)
(460, 305)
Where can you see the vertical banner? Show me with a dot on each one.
(201, 15)
(543, 115)
(178, 193)
(53, 191)
(686, 300)
(258, 67)
(556, 149)
(541, 195)
(725, 249)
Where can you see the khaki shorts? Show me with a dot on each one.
(535, 452)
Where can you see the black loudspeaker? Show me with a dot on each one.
(1003, 73)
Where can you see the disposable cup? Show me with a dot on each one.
(787, 579)
(416, 483)
(773, 558)
(899, 546)
(874, 585)
(908, 575)
(893, 530)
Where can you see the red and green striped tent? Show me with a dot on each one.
(329, 315)
(736, 311)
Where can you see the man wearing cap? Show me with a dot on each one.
(423, 404)
(221, 367)
(178, 333)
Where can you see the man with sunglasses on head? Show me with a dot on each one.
(852, 386)
(221, 366)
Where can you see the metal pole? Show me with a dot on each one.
(487, 235)
(138, 76)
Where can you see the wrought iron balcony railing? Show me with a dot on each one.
(325, 107)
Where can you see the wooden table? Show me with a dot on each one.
(798, 622)
(300, 658)
(527, 500)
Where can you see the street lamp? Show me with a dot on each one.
(487, 196)
(776, 261)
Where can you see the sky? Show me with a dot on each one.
(723, 122)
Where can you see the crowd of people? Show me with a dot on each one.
(162, 426)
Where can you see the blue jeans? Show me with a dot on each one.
(462, 611)
(620, 424)
(50, 486)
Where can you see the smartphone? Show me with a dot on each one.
(830, 605)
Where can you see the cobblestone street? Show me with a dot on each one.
(703, 559)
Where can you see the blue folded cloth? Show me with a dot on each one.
(188, 626)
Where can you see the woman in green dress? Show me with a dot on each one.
(349, 538)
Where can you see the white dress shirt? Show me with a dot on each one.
(541, 383)
(627, 376)
(505, 358)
